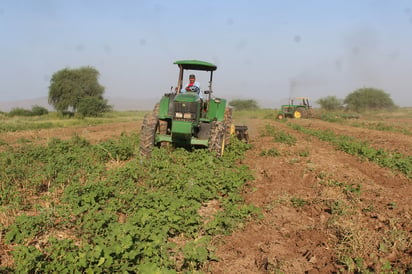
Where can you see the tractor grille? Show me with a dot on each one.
(185, 111)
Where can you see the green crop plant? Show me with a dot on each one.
(304, 153)
(285, 138)
(118, 218)
(278, 136)
(381, 127)
(337, 207)
(331, 117)
(272, 152)
(294, 161)
(391, 205)
(26, 227)
(298, 202)
(353, 188)
(268, 131)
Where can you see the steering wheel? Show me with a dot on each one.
(194, 89)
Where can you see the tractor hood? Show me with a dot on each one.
(187, 97)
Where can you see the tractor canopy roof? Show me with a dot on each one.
(196, 65)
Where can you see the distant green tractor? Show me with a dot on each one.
(183, 119)
(300, 110)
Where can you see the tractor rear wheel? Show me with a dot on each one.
(148, 131)
(310, 113)
(303, 112)
(299, 113)
(148, 134)
(217, 138)
(228, 124)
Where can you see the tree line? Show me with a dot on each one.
(78, 91)
(360, 100)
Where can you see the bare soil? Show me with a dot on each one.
(323, 210)
(314, 236)
(93, 134)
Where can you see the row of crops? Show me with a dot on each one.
(393, 160)
(71, 206)
(352, 120)
(353, 206)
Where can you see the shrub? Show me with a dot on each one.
(38, 110)
(93, 106)
(35, 111)
(330, 103)
(240, 104)
(20, 112)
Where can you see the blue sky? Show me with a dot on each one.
(264, 50)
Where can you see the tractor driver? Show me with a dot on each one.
(193, 86)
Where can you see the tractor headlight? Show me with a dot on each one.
(187, 115)
(179, 115)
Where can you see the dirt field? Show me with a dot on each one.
(310, 236)
(323, 210)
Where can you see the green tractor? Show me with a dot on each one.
(183, 119)
(301, 109)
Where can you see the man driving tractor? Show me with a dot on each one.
(193, 86)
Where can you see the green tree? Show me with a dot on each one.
(93, 106)
(68, 87)
(368, 99)
(330, 103)
(240, 104)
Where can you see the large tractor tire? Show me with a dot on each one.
(228, 124)
(299, 113)
(148, 131)
(310, 113)
(303, 112)
(217, 138)
(148, 134)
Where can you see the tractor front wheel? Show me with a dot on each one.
(281, 116)
(217, 138)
